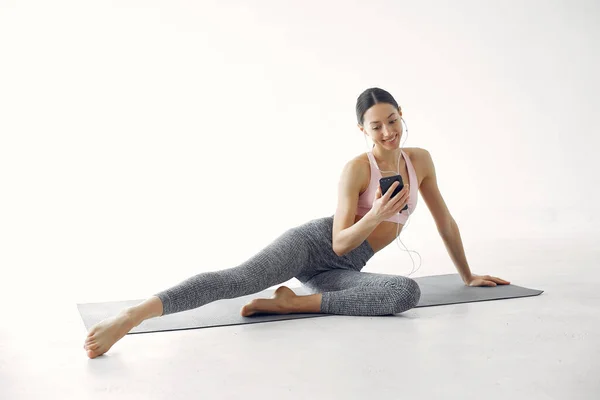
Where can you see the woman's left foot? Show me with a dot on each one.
(281, 303)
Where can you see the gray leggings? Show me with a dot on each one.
(303, 252)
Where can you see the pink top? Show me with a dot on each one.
(365, 200)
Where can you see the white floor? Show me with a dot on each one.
(543, 347)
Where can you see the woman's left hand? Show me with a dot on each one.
(485, 280)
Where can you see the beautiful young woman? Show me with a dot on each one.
(327, 254)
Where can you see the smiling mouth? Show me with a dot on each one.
(392, 139)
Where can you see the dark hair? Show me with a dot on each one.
(369, 98)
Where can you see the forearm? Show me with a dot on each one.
(454, 245)
(350, 238)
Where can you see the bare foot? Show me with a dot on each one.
(281, 303)
(106, 333)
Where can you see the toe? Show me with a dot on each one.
(246, 310)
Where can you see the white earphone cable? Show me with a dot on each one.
(407, 210)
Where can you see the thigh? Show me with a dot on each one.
(278, 262)
(340, 279)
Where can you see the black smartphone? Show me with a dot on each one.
(387, 181)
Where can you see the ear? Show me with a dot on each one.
(362, 129)
(400, 110)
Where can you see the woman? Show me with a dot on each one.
(326, 254)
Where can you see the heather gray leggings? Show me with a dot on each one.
(303, 252)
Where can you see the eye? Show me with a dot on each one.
(394, 121)
(375, 128)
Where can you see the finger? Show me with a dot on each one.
(492, 278)
(389, 192)
(394, 200)
(406, 191)
(482, 282)
(400, 196)
(501, 281)
(396, 203)
(378, 192)
(403, 200)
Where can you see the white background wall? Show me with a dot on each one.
(142, 142)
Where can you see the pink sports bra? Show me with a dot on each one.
(365, 200)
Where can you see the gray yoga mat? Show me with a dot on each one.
(435, 291)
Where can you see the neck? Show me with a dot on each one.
(388, 157)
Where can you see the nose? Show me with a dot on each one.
(387, 133)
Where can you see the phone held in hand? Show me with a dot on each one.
(387, 181)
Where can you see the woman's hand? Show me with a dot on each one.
(485, 280)
(384, 207)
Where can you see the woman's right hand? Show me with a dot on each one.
(385, 207)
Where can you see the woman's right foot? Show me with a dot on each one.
(282, 302)
(106, 333)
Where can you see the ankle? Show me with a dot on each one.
(150, 308)
(306, 304)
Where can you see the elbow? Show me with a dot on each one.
(337, 251)
(340, 252)
(447, 228)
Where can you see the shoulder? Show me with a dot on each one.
(430, 191)
(422, 161)
(359, 167)
(417, 154)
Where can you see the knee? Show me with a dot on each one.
(405, 294)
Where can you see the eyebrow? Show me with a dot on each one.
(376, 122)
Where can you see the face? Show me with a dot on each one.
(382, 123)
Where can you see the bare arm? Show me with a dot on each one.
(448, 229)
(446, 225)
(348, 235)
(350, 238)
